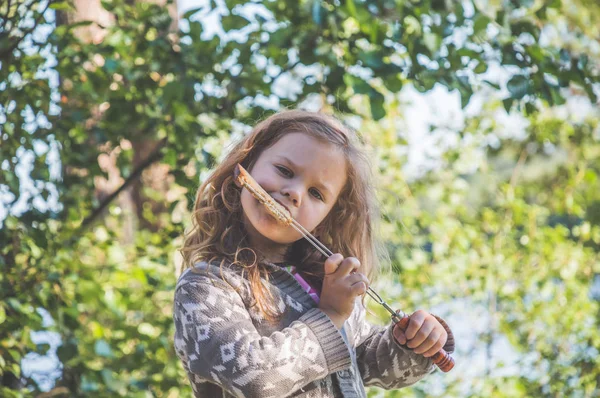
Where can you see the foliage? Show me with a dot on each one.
(511, 230)
(516, 240)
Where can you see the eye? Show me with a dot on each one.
(316, 194)
(285, 171)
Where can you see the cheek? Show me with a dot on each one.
(317, 214)
(247, 201)
(266, 181)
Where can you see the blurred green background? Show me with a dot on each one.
(481, 118)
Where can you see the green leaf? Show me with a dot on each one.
(190, 13)
(530, 109)
(66, 352)
(233, 22)
(394, 84)
(535, 52)
(173, 91)
(494, 85)
(376, 101)
(480, 23)
(524, 26)
(336, 77)
(432, 41)
(195, 30)
(371, 59)
(465, 96)
(481, 67)
(518, 86)
(351, 8)
(62, 6)
(80, 24)
(555, 4)
(359, 86)
(508, 102)
(557, 98)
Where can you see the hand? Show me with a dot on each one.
(425, 335)
(341, 285)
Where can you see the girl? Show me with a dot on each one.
(260, 313)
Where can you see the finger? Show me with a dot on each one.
(332, 263)
(414, 324)
(399, 334)
(433, 350)
(422, 335)
(358, 277)
(428, 343)
(359, 288)
(439, 344)
(348, 265)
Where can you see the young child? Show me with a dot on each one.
(260, 312)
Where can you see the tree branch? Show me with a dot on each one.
(153, 157)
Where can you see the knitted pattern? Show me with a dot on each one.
(229, 350)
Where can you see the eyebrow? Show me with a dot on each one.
(321, 185)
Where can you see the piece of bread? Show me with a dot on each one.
(281, 214)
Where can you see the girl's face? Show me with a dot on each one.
(303, 174)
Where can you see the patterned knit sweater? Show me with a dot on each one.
(229, 350)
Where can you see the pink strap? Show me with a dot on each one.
(312, 292)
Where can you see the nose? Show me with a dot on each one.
(293, 193)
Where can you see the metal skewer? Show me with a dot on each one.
(442, 359)
(396, 315)
(282, 215)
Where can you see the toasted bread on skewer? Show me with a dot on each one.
(281, 214)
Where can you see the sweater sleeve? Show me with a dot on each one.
(383, 362)
(217, 342)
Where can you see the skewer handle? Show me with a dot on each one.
(442, 359)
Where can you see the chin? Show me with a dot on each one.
(264, 226)
(277, 233)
